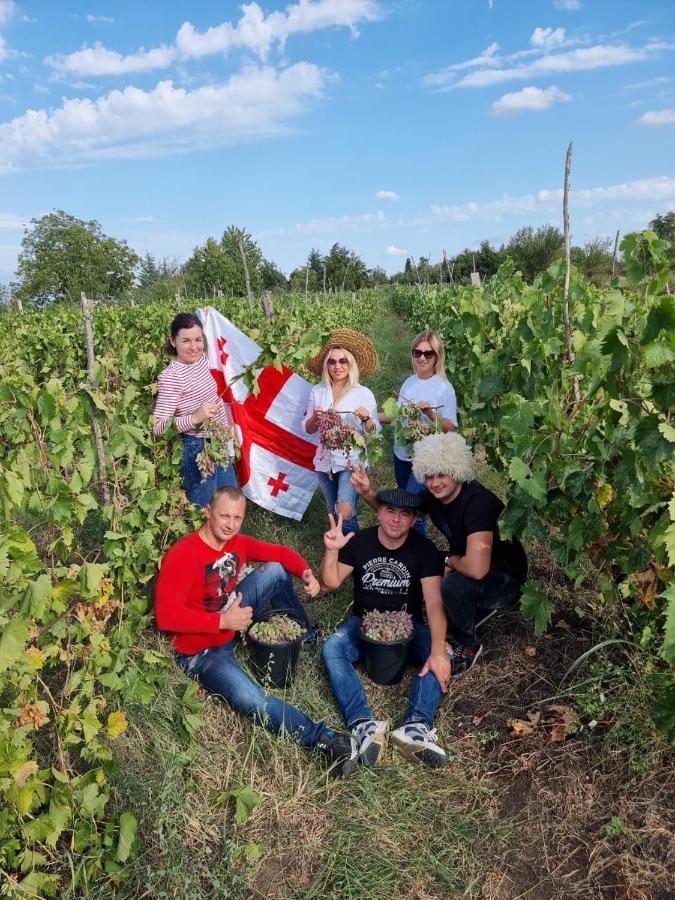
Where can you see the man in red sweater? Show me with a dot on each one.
(199, 600)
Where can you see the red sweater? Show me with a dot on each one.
(195, 581)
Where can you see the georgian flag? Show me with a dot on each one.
(276, 468)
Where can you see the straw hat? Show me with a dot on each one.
(361, 348)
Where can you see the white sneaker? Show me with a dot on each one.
(372, 737)
(417, 742)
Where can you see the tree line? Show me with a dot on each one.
(62, 256)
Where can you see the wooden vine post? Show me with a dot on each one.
(91, 375)
(568, 266)
(616, 250)
(249, 292)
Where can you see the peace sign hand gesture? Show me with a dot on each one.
(334, 539)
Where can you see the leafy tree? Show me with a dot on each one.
(62, 256)
(377, 276)
(594, 259)
(664, 227)
(218, 265)
(271, 277)
(345, 271)
(148, 271)
(533, 251)
(486, 259)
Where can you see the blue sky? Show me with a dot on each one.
(391, 126)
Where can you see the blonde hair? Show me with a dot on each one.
(443, 454)
(432, 338)
(352, 377)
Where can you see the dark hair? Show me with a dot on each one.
(226, 490)
(182, 320)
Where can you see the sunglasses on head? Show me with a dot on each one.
(427, 354)
(343, 361)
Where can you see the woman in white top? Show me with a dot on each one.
(346, 357)
(429, 389)
(187, 392)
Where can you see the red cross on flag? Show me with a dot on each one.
(276, 469)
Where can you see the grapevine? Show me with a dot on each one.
(278, 629)
(409, 421)
(220, 446)
(387, 626)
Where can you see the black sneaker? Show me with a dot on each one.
(341, 750)
(463, 658)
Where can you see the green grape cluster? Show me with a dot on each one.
(219, 447)
(411, 422)
(387, 626)
(278, 629)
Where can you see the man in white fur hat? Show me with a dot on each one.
(482, 571)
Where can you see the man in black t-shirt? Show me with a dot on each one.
(482, 572)
(393, 568)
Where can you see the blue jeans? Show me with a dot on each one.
(343, 649)
(463, 598)
(338, 489)
(405, 479)
(217, 669)
(200, 492)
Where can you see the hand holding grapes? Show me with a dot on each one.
(334, 539)
(427, 409)
(205, 412)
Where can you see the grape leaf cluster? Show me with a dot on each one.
(220, 446)
(387, 626)
(278, 629)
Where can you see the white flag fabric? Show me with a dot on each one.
(276, 468)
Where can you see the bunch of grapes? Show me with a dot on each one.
(278, 629)
(387, 626)
(219, 447)
(333, 433)
(410, 420)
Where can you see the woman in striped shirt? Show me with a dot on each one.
(188, 394)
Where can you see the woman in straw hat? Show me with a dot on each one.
(347, 355)
(429, 389)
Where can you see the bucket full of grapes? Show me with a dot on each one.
(274, 643)
(384, 639)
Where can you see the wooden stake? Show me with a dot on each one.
(447, 266)
(568, 266)
(91, 375)
(616, 248)
(249, 292)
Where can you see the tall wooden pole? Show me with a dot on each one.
(91, 375)
(568, 266)
(249, 292)
(614, 255)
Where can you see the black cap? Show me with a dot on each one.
(399, 498)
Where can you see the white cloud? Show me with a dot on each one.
(141, 220)
(548, 38)
(659, 117)
(11, 222)
(256, 103)
(98, 60)
(105, 20)
(530, 99)
(386, 195)
(650, 82)
(394, 251)
(7, 11)
(488, 58)
(568, 5)
(584, 59)
(254, 32)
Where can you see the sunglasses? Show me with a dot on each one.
(343, 361)
(427, 354)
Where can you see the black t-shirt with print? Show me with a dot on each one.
(476, 509)
(390, 579)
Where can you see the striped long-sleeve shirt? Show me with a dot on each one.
(182, 390)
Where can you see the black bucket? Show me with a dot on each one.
(275, 663)
(384, 660)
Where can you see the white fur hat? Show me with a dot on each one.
(443, 454)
